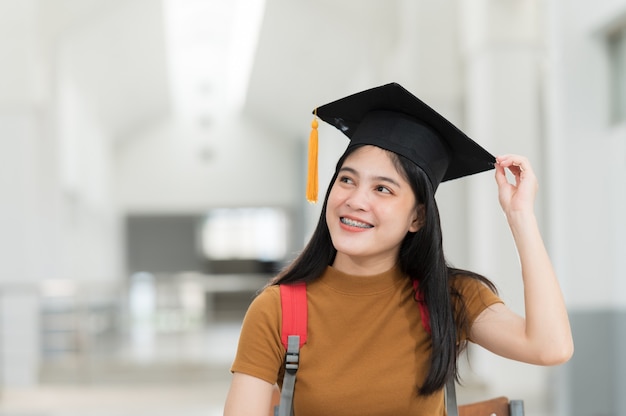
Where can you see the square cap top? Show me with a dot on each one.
(393, 119)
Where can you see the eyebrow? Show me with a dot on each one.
(377, 178)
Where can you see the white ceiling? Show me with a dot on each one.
(305, 56)
(115, 53)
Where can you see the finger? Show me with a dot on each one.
(519, 166)
(508, 161)
(500, 175)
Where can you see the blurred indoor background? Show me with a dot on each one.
(152, 164)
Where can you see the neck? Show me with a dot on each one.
(359, 266)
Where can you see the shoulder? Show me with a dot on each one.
(260, 351)
(265, 306)
(473, 292)
(268, 294)
(263, 317)
(466, 282)
(267, 299)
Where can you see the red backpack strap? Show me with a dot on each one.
(293, 335)
(419, 297)
(294, 311)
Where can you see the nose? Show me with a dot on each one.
(358, 199)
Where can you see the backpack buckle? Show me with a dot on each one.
(292, 357)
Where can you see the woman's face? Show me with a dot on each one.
(370, 209)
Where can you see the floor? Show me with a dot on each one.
(175, 374)
(137, 400)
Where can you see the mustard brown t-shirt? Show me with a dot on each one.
(367, 350)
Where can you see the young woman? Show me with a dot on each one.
(368, 350)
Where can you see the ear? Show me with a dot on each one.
(418, 219)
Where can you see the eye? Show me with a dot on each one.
(345, 179)
(383, 189)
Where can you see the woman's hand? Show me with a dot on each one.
(520, 195)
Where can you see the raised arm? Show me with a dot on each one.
(543, 336)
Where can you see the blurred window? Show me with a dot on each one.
(245, 233)
(617, 54)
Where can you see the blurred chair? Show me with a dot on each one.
(499, 406)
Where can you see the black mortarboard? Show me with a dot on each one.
(392, 118)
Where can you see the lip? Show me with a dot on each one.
(354, 228)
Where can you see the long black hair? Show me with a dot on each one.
(420, 258)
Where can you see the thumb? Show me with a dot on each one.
(501, 179)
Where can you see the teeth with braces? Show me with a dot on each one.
(354, 223)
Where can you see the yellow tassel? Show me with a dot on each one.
(312, 184)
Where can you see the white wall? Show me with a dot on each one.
(57, 130)
(502, 56)
(588, 169)
(588, 155)
(235, 163)
(21, 123)
(58, 216)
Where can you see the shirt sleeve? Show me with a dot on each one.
(260, 352)
(476, 295)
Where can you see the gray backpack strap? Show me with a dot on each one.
(451, 405)
(292, 358)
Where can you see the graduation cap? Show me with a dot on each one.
(393, 119)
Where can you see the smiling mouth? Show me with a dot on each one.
(353, 223)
